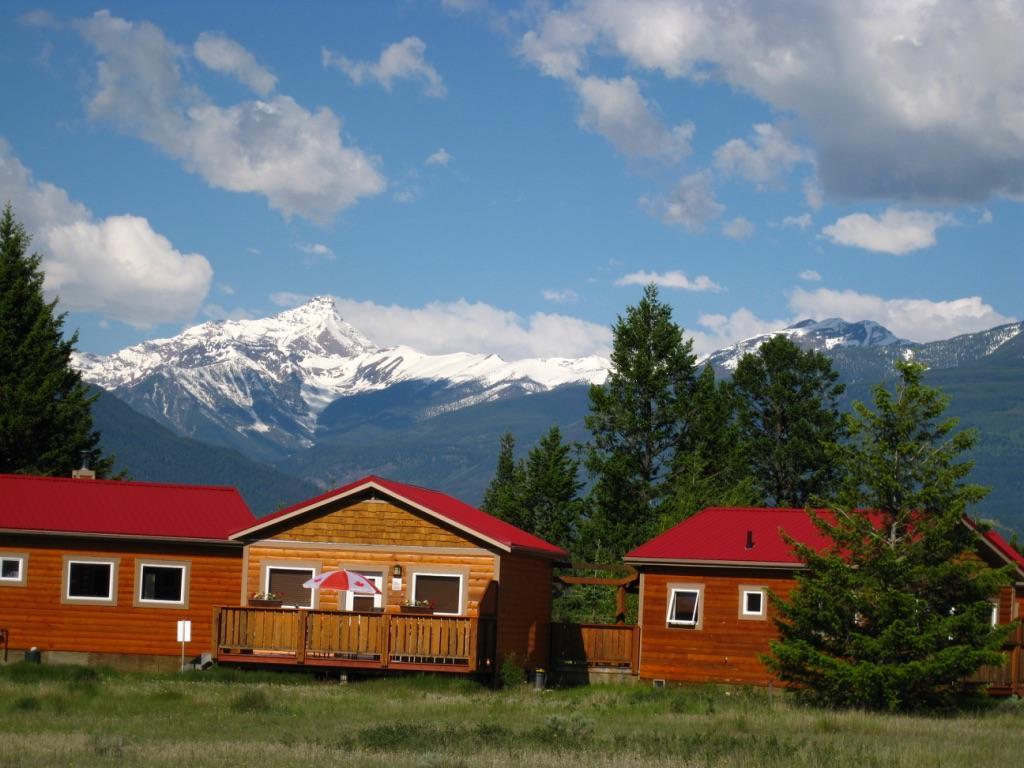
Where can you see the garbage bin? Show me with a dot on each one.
(33, 656)
(540, 679)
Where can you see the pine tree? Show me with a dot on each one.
(45, 408)
(504, 497)
(789, 419)
(552, 487)
(896, 612)
(637, 419)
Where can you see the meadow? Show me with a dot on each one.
(80, 716)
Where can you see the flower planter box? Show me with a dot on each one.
(253, 603)
(420, 609)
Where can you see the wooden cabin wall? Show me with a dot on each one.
(724, 648)
(35, 615)
(524, 609)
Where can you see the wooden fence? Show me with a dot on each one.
(595, 645)
(353, 639)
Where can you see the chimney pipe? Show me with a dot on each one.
(750, 539)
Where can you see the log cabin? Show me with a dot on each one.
(101, 571)
(460, 590)
(704, 611)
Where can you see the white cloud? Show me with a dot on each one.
(896, 231)
(673, 279)
(406, 195)
(810, 276)
(739, 229)
(318, 250)
(399, 61)
(224, 55)
(274, 147)
(814, 196)
(801, 222)
(915, 319)
(440, 157)
(907, 101)
(118, 267)
(617, 110)
(39, 18)
(985, 217)
(563, 296)
(690, 204)
(218, 312)
(462, 326)
(721, 331)
(763, 161)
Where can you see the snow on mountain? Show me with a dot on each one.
(819, 335)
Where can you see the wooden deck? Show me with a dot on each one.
(353, 640)
(1006, 679)
(575, 646)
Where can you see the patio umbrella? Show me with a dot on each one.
(348, 580)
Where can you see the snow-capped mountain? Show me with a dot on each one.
(822, 336)
(269, 379)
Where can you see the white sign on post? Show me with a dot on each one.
(185, 631)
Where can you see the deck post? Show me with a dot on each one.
(302, 631)
(385, 641)
(634, 656)
(215, 631)
(474, 648)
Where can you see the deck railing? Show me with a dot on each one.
(353, 638)
(595, 645)
(1007, 677)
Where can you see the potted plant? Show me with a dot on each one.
(265, 600)
(418, 606)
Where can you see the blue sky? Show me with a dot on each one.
(469, 176)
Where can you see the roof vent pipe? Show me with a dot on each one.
(750, 539)
(84, 473)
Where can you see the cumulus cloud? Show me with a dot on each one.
(673, 279)
(765, 160)
(895, 231)
(739, 229)
(907, 101)
(224, 55)
(275, 147)
(810, 276)
(617, 110)
(317, 252)
(716, 331)
(463, 326)
(563, 296)
(440, 157)
(118, 267)
(915, 319)
(801, 222)
(403, 60)
(690, 204)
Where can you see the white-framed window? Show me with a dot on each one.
(684, 605)
(286, 582)
(753, 601)
(90, 580)
(444, 591)
(13, 569)
(161, 583)
(354, 602)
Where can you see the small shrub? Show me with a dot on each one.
(251, 701)
(26, 704)
(511, 673)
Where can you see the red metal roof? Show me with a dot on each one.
(120, 508)
(441, 505)
(719, 534)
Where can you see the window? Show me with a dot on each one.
(12, 569)
(354, 602)
(287, 583)
(161, 583)
(442, 590)
(995, 614)
(753, 601)
(684, 606)
(90, 580)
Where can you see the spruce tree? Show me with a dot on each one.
(45, 407)
(789, 419)
(895, 612)
(504, 495)
(552, 487)
(637, 419)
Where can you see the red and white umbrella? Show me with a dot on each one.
(347, 580)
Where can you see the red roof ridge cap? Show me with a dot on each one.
(115, 481)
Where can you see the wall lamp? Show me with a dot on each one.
(396, 571)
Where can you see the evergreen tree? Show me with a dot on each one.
(637, 421)
(789, 419)
(552, 487)
(895, 612)
(504, 497)
(45, 408)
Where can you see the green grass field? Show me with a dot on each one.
(58, 716)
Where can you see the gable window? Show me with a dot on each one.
(753, 602)
(354, 602)
(91, 580)
(442, 590)
(684, 606)
(12, 569)
(161, 583)
(287, 584)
